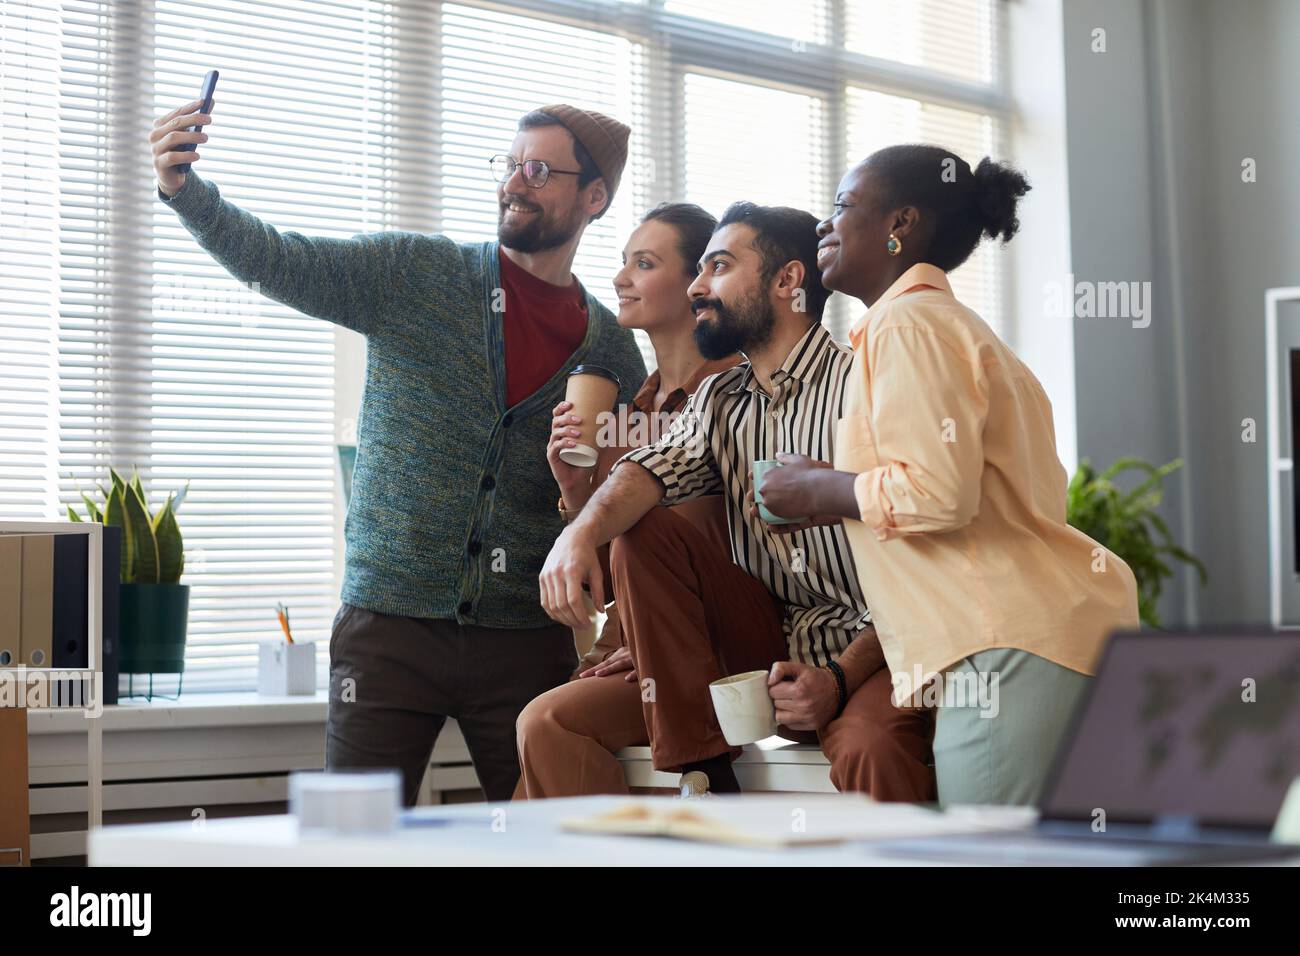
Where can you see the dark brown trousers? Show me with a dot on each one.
(394, 681)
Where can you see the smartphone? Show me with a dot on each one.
(205, 94)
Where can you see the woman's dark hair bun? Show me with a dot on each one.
(998, 187)
(965, 204)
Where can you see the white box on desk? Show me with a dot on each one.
(286, 669)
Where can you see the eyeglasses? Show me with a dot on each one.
(536, 171)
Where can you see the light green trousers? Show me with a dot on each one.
(1004, 714)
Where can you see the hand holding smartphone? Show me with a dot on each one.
(205, 96)
(176, 134)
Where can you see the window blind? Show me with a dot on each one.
(802, 20)
(43, 66)
(728, 156)
(957, 38)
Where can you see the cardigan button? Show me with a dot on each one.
(465, 608)
(475, 546)
(488, 482)
(505, 422)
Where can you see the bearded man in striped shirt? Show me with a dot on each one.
(785, 601)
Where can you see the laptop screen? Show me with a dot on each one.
(1203, 725)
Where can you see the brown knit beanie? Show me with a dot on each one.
(602, 136)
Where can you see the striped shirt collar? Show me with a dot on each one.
(806, 361)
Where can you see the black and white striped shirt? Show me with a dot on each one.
(730, 423)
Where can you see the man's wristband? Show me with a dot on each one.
(841, 684)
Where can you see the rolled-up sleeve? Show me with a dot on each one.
(681, 459)
(929, 402)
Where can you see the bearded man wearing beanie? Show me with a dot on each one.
(453, 504)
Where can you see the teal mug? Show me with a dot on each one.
(761, 468)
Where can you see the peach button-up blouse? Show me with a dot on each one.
(962, 544)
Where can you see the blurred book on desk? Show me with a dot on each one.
(788, 820)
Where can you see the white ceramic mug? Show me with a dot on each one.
(744, 707)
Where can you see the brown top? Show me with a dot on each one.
(675, 400)
(611, 635)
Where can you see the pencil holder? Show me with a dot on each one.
(286, 669)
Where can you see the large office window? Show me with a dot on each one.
(122, 343)
(125, 344)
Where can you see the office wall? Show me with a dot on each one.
(1157, 128)
(1040, 254)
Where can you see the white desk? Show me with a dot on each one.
(529, 837)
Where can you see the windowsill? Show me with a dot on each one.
(187, 712)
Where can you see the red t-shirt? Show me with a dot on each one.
(542, 326)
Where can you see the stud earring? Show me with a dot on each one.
(893, 246)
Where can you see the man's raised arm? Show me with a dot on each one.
(345, 281)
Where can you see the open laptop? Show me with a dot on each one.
(1186, 742)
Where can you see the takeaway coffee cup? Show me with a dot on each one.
(761, 468)
(592, 390)
(744, 707)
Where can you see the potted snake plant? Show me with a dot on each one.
(154, 605)
(1126, 522)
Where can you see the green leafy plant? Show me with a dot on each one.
(152, 548)
(1126, 522)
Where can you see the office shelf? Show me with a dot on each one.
(94, 649)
